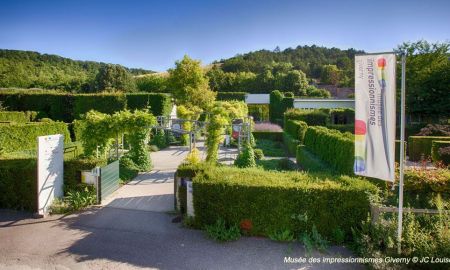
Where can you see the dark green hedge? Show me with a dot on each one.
(342, 116)
(421, 145)
(18, 183)
(436, 145)
(278, 105)
(240, 96)
(67, 107)
(267, 135)
(270, 199)
(309, 162)
(17, 117)
(296, 129)
(333, 147)
(105, 103)
(310, 117)
(18, 137)
(343, 128)
(157, 103)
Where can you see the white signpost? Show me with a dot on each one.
(50, 168)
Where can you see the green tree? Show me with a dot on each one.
(114, 78)
(189, 84)
(427, 77)
(152, 83)
(330, 74)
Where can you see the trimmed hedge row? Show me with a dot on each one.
(296, 129)
(67, 107)
(421, 145)
(18, 137)
(18, 183)
(310, 117)
(343, 128)
(279, 103)
(268, 135)
(270, 199)
(436, 145)
(333, 147)
(17, 117)
(227, 96)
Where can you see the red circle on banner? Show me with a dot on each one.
(360, 127)
(381, 62)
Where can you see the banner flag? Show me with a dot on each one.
(375, 115)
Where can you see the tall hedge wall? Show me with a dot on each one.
(157, 103)
(333, 147)
(18, 183)
(296, 129)
(279, 103)
(268, 135)
(105, 103)
(226, 96)
(421, 145)
(19, 137)
(270, 199)
(67, 107)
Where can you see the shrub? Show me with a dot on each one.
(342, 116)
(282, 235)
(343, 128)
(156, 103)
(159, 139)
(127, 169)
(227, 96)
(268, 135)
(296, 129)
(259, 154)
(333, 147)
(269, 199)
(439, 151)
(219, 231)
(420, 146)
(246, 159)
(105, 103)
(18, 183)
(275, 108)
(310, 117)
(193, 158)
(18, 137)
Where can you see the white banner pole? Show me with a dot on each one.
(402, 155)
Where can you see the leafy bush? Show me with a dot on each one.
(193, 158)
(259, 154)
(333, 147)
(313, 240)
(219, 231)
(270, 199)
(127, 169)
(310, 117)
(75, 199)
(439, 152)
(420, 146)
(159, 139)
(17, 137)
(266, 135)
(296, 129)
(227, 96)
(156, 103)
(246, 159)
(282, 235)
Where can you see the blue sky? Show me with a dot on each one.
(153, 34)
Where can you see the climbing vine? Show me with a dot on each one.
(187, 113)
(98, 130)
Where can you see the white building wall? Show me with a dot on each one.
(324, 103)
(257, 98)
